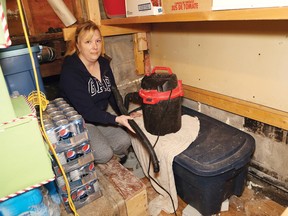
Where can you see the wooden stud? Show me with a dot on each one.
(79, 10)
(28, 17)
(142, 41)
(93, 11)
(68, 33)
(139, 56)
(251, 110)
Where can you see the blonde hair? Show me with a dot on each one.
(84, 28)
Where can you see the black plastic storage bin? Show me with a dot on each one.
(214, 166)
(162, 97)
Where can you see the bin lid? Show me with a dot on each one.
(218, 148)
(17, 50)
(154, 96)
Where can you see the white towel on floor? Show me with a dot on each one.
(167, 147)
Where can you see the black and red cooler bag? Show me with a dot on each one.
(161, 95)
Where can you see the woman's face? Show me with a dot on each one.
(90, 45)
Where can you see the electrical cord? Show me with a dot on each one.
(148, 172)
(41, 109)
(134, 97)
(123, 110)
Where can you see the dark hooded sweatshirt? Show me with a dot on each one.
(89, 96)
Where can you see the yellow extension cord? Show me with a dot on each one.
(42, 102)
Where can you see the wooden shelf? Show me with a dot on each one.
(37, 38)
(280, 13)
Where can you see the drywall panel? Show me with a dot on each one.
(246, 60)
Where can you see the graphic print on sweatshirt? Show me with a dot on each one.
(97, 87)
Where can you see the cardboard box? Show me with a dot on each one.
(244, 4)
(24, 156)
(185, 6)
(5, 101)
(142, 8)
(131, 188)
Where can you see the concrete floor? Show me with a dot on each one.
(257, 199)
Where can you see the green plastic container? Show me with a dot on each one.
(6, 108)
(24, 155)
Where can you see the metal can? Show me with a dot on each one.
(78, 151)
(59, 103)
(75, 175)
(71, 155)
(80, 194)
(85, 148)
(47, 121)
(68, 109)
(55, 113)
(57, 170)
(77, 124)
(71, 113)
(45, 116)
(64, 188)
(86, 169)
(57, 100)
(82, 149)
(65, 199)
(92, 187)
(60, 180)
(63, 106)
(50, 131)
(62, 158)
(51, 110)
(63, 130)
(50, 105)
(58, 118)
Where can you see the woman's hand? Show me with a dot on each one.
(135, 114)
(123, 120)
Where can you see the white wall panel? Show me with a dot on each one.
(245, 60)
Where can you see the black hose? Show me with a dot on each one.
(132, 97)
(137, 129)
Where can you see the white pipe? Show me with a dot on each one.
(62, 12)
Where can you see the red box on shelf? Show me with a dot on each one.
(114, 8)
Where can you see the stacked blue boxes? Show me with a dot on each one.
(67, 133)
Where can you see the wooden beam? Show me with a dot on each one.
(79, 11)
(28, 17)
(251, 110)
(138, 55)
(68, 33)
(51, 68)
(276, 13)
(124, 29)
(37, 38)
(93, 11)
